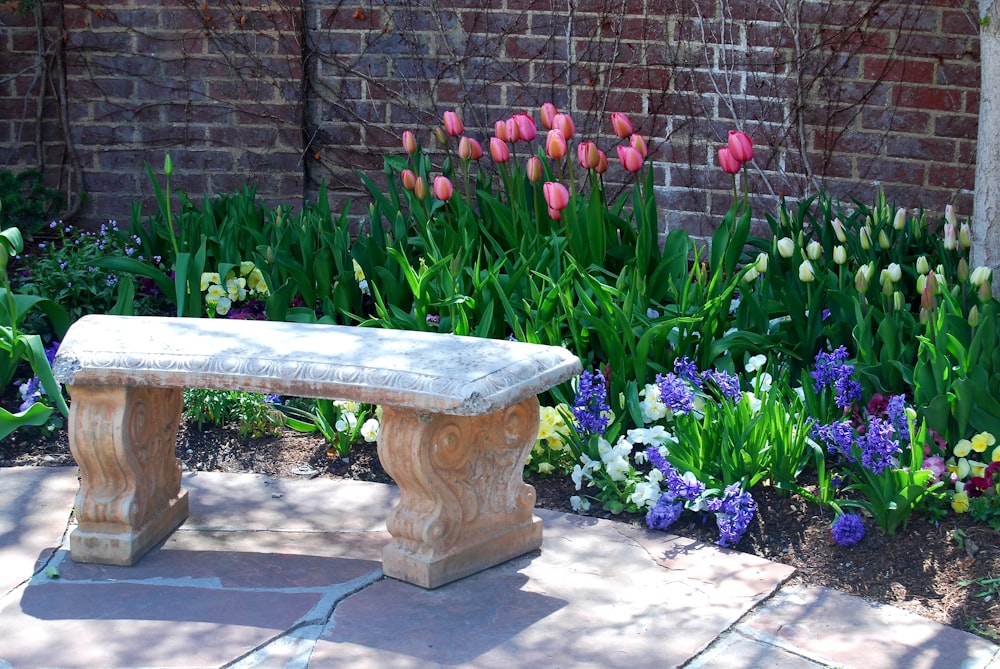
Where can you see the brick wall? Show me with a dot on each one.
(847, 95)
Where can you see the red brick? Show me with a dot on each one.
(899, 69)
(941, 99)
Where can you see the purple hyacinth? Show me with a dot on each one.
(664, 513)
(847, 390)
(728, 384)
(590, 408)
(657, 460)
(896, 411)
(688, 371)
(878, 446)
(848, 529)
(832, 372)
(734, 512)
(677, 487)
(675, 393)
(838, 438)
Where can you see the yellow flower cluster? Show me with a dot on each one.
(552, 434)
(220, 296)
(961, 467)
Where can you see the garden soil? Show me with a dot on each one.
(948, 572)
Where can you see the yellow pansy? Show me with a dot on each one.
(962, 448)
(545, 468)
(981, 441)
(208, 278)
(246, 267)
(359, 274)
(977, 468)
(960, 469)
(996, 454)
(215, 291)
(960, 502)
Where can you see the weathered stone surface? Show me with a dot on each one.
(460, 417)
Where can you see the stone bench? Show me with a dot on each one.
(460, 416)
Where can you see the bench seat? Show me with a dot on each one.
(460, 416)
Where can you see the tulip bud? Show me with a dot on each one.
(556, 195)
(631, 158)
(839, 254)
(866, 238)
(786, 247)
(974, 315)
(924, 316)
(602, 163)
(761, 263)
(555, 144)
(270, 256)
(751, 274)
(555, 214)
(887, 286)
(453, 124)
(469, 149)
(409, 142)
(526, 128)
(979, 275)
(420, 189)
(513, 133)
(928, 300)
(533, 169)
(740, 146)
(498, 150)
(838, 229)
(588, 154)
(639, 144)
(621, 125)
(921, 283)
(814, 250)
(728, 163)
(409, 179)
(862, 278)
(949, 215)
(922, 265)
(965, 236)
(168, 165)
(806, 273)
(899, 222)
(950, 241)
(443, 190)
(440, 135)
(895, 272)
(500, 131)
(564, 124)
(897, 301)
(548, 112)
(883, 239)
(986, 291)
(963, 269)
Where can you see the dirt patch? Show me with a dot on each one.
(943, 572)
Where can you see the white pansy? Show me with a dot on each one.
(617, 468)
(579, 503)
(369, 430)
(646, 493)
(756, 362)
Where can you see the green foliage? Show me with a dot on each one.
(341, 423)
(251, 413)
(25, 201)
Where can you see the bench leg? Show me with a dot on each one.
(463, 504)
(130, 482)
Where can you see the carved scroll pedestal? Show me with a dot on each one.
(463, 505)
(130, 495)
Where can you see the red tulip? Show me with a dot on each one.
(556, 195)
(740, 146)
(639, 144)
(631, 159)
(555, 144)
(453, 124)
(564, 124)
(621, 125)
(533, 168)
(548, 112)
(409, 142)
(409, 179)
(588, 154)
(469, 149)
(729, 164)
(420, 189)
(499, 150)
(526, 128)
(443, 189)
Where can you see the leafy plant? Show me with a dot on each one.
(340, 422)
(25, 201)
(252, 413)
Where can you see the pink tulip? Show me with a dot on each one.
(564, 124)
(729, 164)
(555, 144)
(602, 163)
(548, 113)
(555, 214)
(588, 154)
(409, 142)
(469, 149)
(443, 190)
(409, 179)
(420, 189)
(499, 150)
(740, 146)
(533, 168)
(621, 125)
(556, 195)
(453, 124)
(631, 159)
(639, 144)
(526, 128)
(500, 130)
